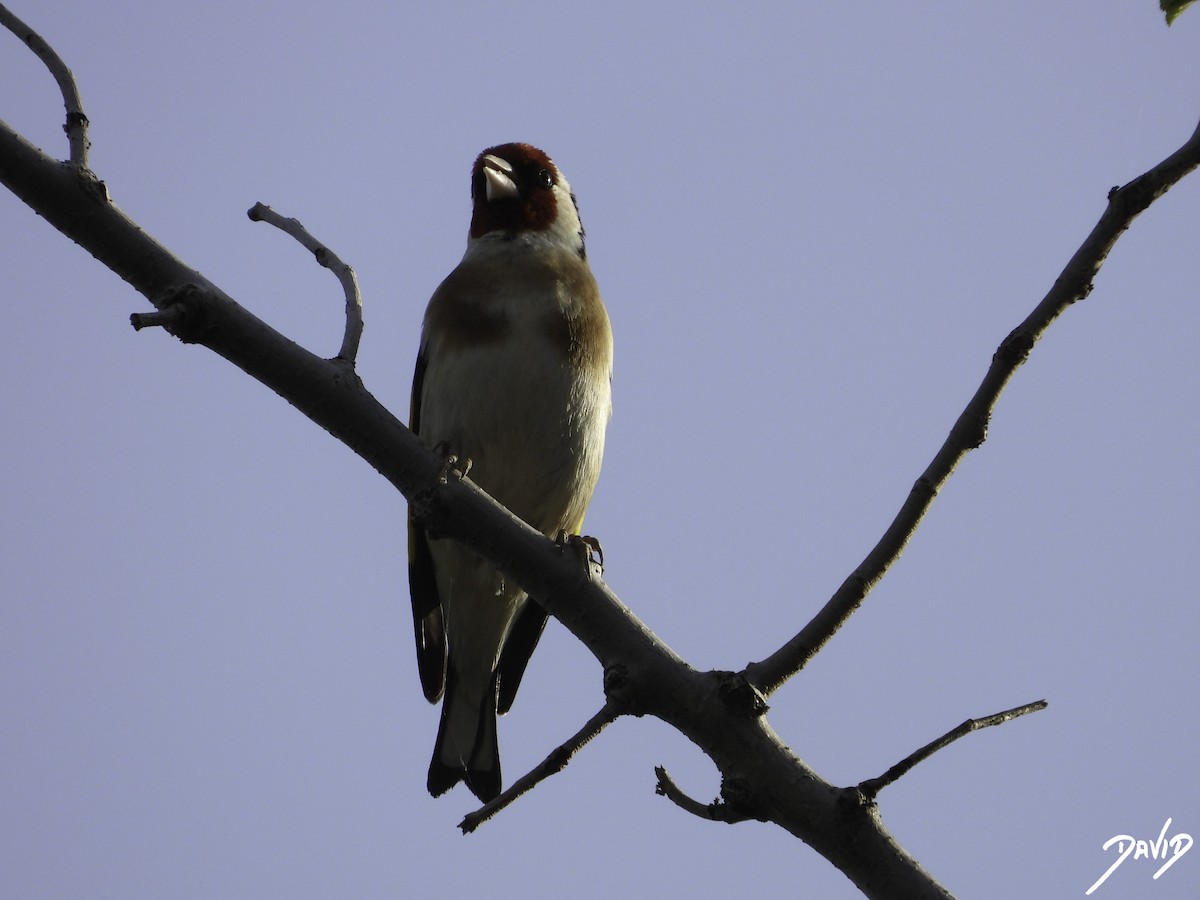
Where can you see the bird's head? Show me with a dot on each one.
(518, 192)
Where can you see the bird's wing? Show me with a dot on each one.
(428, 626)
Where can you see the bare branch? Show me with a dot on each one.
(970, 431)
(161, 317)
(551, 765)
(76, 125)
(872, 786)
(717, 811)
(260, 212)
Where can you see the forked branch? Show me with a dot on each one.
(76, 125)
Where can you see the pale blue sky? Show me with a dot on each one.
(812, 226)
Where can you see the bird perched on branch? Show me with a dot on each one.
(513, 375)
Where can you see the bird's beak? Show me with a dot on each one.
(497, 175)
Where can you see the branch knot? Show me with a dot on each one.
(1016, 347)
(620, 690)
(180, 311)
(739, 800)
(740, 697)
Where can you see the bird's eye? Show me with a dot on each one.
(545, 178)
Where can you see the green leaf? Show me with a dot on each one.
(1173, 8)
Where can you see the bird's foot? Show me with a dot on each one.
(451, 462)
(587, 547)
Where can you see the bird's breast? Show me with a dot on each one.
(519, 383)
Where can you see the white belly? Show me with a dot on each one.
(532, 428)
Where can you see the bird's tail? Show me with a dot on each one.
(466, 748)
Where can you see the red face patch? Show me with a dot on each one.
(535, 206)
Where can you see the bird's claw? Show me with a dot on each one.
(586, 546)
(451, 462)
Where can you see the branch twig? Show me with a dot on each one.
(872, 786)
(970, 431)
(717, 811)
(76, 125)
(551, 765)
(260, 212)
(160, 317)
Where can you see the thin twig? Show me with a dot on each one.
(717, 811)
(76, 125)
(551, 765)
(873, 786)
(970, 430)
(260, 212)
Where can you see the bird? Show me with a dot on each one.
(513, 379)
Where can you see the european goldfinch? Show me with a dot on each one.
(513, 375)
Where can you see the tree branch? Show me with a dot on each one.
(872, 786)
(260, 212)
(164, 318)
(76, 125)
(970, 430)
(717, 811)
(558, 759)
